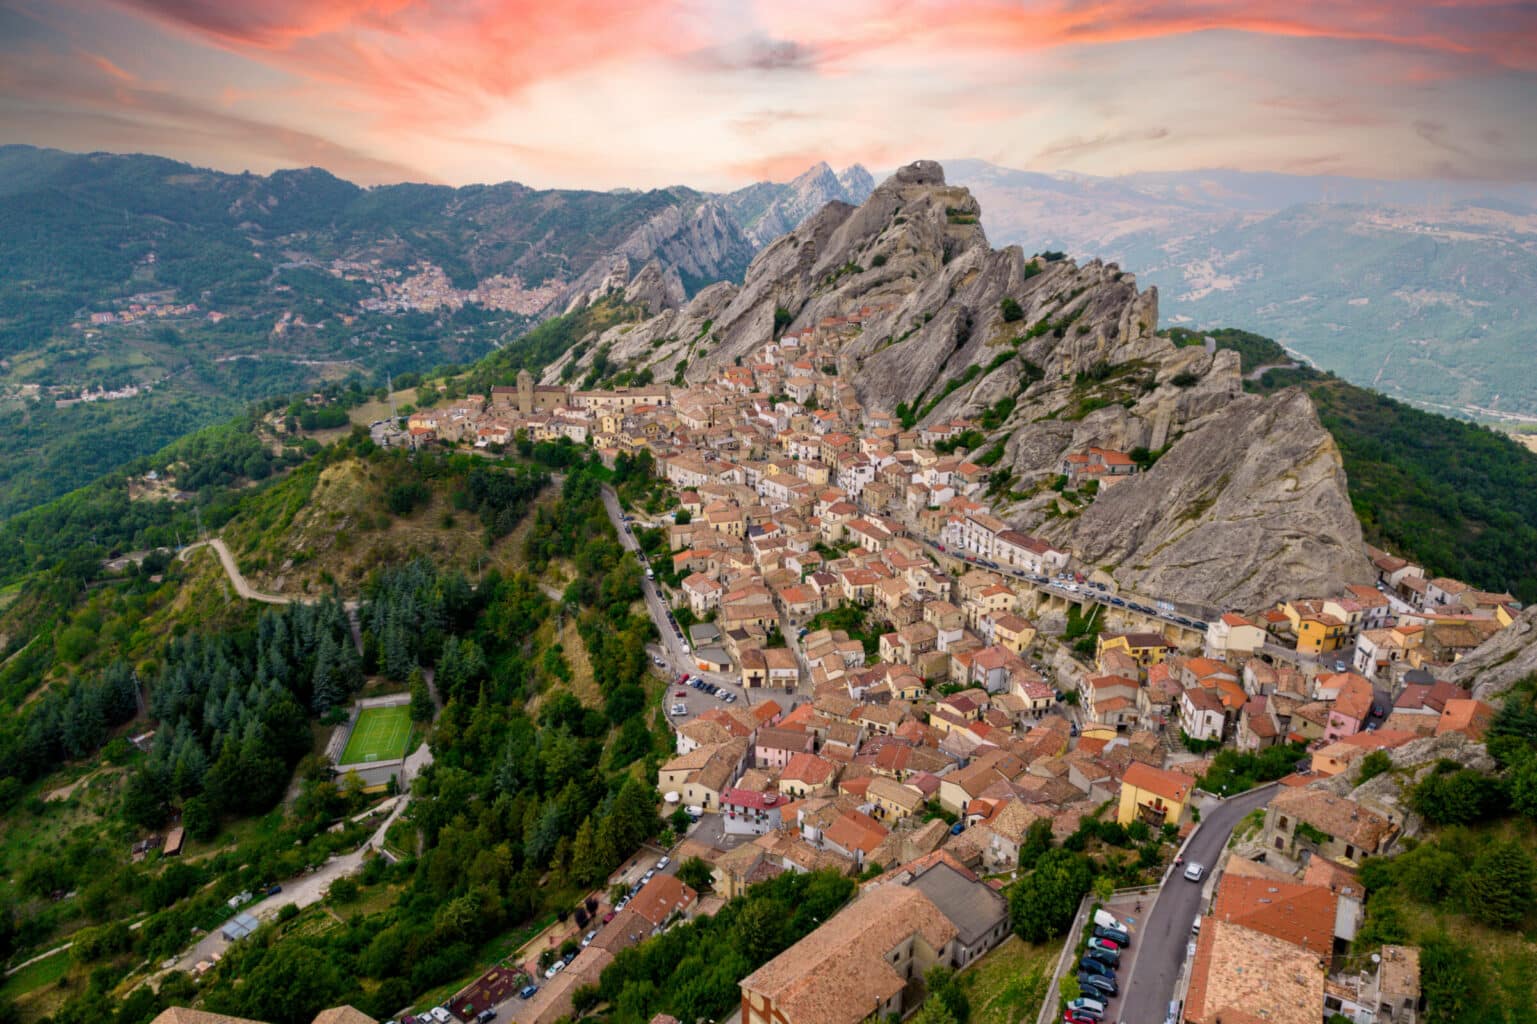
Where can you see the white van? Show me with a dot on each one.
(1195, 927)
(1105, 919)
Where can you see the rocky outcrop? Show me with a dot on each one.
(1248, 506)
(924, 318)
(767, 210)
(1388, 793)
(1501, 661)
(656, 288)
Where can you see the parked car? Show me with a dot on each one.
(1097, 984)
(485, 1015)
(273, 890)
(648, 876)
(528, 991)
(555, 969)
(587, 939)
(1093, 1007)
(1093, 966)
(662, 864)
(1110, 944)
(1109, 957)
(1069, 1017)
(1115, 935)
(1194, 872)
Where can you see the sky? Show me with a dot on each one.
(719, 93)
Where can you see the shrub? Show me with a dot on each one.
(1012, 311)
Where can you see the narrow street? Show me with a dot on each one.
(1165, 937)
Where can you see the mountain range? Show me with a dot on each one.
(191, 291)
(1417, 289)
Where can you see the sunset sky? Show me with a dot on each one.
(715, 93)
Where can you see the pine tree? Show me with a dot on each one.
(1499, 887)
(422, 708)
(586, 868)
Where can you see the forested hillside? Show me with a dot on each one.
(532, 799)
(1456, 497)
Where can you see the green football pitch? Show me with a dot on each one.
(380, 735)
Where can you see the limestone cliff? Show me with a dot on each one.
(1499, 662)
(1046, 357)
(1248, 506)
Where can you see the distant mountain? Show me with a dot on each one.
(768, 210)
(126, 274)
(1417, 289)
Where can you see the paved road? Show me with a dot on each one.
(1165, 934)
(675, 661)
(305, 889)
(1076, 592)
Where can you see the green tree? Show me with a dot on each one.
(1498, 888)
(695, 874)
(1042, 905)
(944, 986)
(1374, 764)
(586, 867)
(422, 708)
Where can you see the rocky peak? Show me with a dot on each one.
(1045, 357)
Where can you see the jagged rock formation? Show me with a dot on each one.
(1501, 661)
(924, 318)
(1249, 505)
(701, 245)
(770, 209)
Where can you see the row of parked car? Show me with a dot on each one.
(1096, 970)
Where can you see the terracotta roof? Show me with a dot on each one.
(183, 1015)
(1341, 818)
(343, 1015)
(1242, 975)
(807, 768)
(839, 972)
(1467, 716)
(1300, 914)
(661, 897)
(1171, 786)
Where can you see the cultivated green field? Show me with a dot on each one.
(380, 735)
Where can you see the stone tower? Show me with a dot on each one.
(525, 392)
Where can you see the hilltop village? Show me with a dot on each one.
(874, 670)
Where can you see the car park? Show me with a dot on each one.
(1194, 872)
